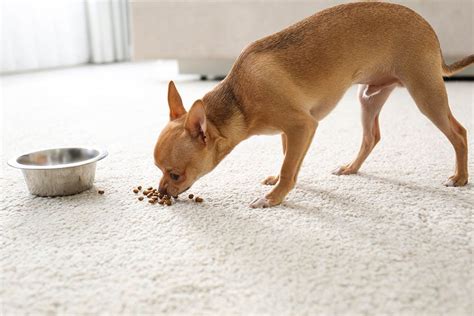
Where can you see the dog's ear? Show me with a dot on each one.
(196, 121)
(175, 103)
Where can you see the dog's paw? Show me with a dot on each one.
(263, 202)
(456, 181)
(260, 203)
(344, 170)
(271, 180)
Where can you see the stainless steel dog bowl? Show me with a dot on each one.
(60, 171)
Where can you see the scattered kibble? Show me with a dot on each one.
(155, 196)
(101, 191)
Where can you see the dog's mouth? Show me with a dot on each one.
(175, 195)
(185, 190)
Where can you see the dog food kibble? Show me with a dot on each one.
(101, 191)
(156, 197)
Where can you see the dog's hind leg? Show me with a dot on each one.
(371, 101)
(429, 92)
(272, 180)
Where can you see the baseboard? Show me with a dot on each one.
(459, 78)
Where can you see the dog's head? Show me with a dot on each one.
(186, 148)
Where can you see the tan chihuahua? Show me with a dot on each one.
(287, 82)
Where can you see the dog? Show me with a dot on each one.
(287, 82)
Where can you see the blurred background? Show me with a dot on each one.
(203, 36)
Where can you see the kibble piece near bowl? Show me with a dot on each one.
(198, 199)
(101, 191)
(139, 187)
(136, 190)
(191, 196)
(140, 198)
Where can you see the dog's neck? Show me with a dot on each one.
(226, 119)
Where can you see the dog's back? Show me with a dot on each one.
(355, 36)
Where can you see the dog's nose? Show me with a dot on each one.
(162, 189)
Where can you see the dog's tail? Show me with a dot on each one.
(449, 70)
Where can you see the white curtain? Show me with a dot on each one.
(39, 34)
(108, 30)
(42, 34)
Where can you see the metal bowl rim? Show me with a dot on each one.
(101, 155)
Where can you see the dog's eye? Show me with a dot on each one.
(174, 176)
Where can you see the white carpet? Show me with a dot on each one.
(391, 240)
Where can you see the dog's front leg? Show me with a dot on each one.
(299, 139)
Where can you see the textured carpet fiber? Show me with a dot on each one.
(389, 240)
